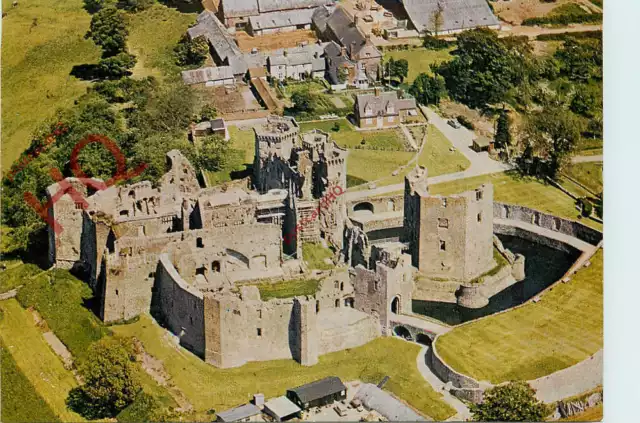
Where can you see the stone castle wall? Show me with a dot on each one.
(181, 306)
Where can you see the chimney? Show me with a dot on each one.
(356, 20)
(353, 49)
(377, 91)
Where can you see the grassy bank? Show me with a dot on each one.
(37, 363)
(208, 387)
(564, 328)
(41, 42)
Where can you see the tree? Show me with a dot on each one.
(109, 30)
(212, 153)
(400, 69)
(191, 52)
(437, 20)
(93, 6)
(428, 89)
(118, 66)
(587, 100)
(109, 378)
(554, 132)
(485, 68)
(208, 112)
(135, 5)
(303, 101)
(502, 138)
(514, 402)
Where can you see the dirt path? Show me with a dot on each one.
(534, 31)
(155, 369)
(585, 159)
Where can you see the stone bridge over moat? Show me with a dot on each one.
(416, 329)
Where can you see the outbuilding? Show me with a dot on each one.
(281, 409)
(243, 413)
(321, 392)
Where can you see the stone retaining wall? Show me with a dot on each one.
(464, 387)
(547, 221)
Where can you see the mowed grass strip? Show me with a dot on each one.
(209, 387)
(287, 289)
(315, 254)
(420, 60)
(20, 400)
(35, 360)
(41, 42)
(510, 187)
(535, 340)
(153, 34)
(588, 174)
(347, 136)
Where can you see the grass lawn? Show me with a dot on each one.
(20, 401)
(287, 289)
(59, 297)
(153, 34)
(420, 60)
(370, 165)
(593, 414)
(37, 362)
(208, 387)
(347, 136)
(588, 174)
(16, 274)
(315, 254)
(240, 157)
(41, 42)
(509, 187)
(564, 328)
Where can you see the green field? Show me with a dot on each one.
(420, 60)
(242, 143)
(315, 254)
(588, 174)
(288, 289)
(153, 34)
(511, 188)
(20, 400)
(36, 361)
(208, 387)
(41, 42)
(370, 165)
(564, 328)
(347, 136)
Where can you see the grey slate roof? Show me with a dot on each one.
(281, 19)
(219, 38)
(375, 398)
(238, 413)
(456, 14)
(342, 26)
(319, 389)
(202, 75)
(378, 104)
(243, 8)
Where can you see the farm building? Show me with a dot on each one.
(449, 16)
(243, 413)
(316, 394)
(209, 76)
(267, 16)
(281, 409)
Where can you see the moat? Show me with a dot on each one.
(543, 267)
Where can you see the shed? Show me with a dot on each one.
(482, 144)
(243, 413)
(321, 392)
(281, 409)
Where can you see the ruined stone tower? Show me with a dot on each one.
(450, 237)
(274, 142)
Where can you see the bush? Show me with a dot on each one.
(514, 402)
(190, 52)
(109, 378)
(118, 66)
(466, 122)
(145, 408)
(586, 206)
(432, 43)
(336, 126)
(575, 35)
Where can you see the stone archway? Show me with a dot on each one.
(402, 332)
(423, 339)
(395, 305)
(365, 206)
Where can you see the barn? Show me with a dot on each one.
(321, 392)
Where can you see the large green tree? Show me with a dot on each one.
(485, 67)
(554, 133)
(110, 382)
(502, 138)
(303, 101)
(213, 153)
(513, 402)
(118, 66)
(191, 52)
(428, 89)
(109, 30)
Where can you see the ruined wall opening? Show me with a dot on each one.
(201, 271)
(363, 207)
(215, 266)
(349, 302)
(337, 303)
(199, 243)
(395, 305)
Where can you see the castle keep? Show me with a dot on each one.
(192, 255)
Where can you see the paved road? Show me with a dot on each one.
(585, 159)
(462, 410)
(461, 139)
(571, 381)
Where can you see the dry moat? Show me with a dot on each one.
(543, 266)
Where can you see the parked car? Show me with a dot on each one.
(454, 123)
